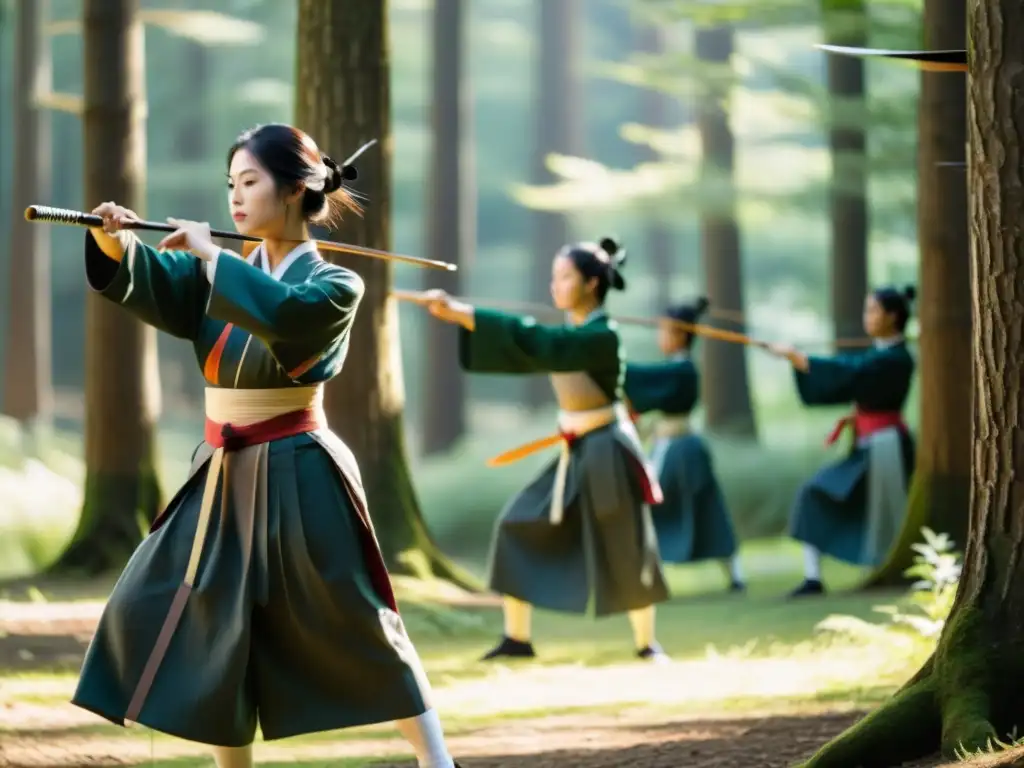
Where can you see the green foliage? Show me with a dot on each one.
(936, 568)
(780, 113)
(41, 490)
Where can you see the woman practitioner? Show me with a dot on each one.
(580, 535)
(853, 509)
(260, 593)
(692, 522)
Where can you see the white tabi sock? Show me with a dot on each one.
(426, 736)
(517, 619)
(233, 757)
(812, 563)
(732, 569)
(643, 627)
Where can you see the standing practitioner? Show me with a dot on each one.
(580, 534)
(260, 593)
(853, 509)
(692, 522)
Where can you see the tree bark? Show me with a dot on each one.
(727, 404)
(846, 23)
(122, 384)
(654, 108)
(451, 223)
(940, 492)
(558, 129)
(28, 377)
(969, 692)
(343, 99)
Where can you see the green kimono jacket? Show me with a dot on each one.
(603, 553)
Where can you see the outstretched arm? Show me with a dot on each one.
(670, 386)
(503, 343)
(163, 289)
(829, 380)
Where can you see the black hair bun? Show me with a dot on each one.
(700, 306)
(910, 293)
(334, 176)
(614, 250)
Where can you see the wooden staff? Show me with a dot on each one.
(419, 297)
(48, 215)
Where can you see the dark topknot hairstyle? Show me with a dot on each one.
(688, 313)
(292, 158)
(896, 302)
(603, 260)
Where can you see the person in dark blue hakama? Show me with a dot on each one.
(853, 509)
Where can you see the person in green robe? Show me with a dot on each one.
(579, 537)
(692, 522)
(853, 509)
(260, 595)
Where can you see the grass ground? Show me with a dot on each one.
(737, 661)
(751, 683)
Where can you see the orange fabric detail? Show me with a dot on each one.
(211, 368)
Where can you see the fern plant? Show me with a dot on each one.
(936, 570)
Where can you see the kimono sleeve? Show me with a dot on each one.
(312, 313)
(668, 387)
(503, 343)
(830, 380)
(163, 289)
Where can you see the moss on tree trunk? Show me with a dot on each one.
(343, 99)
(116, 514)
(970, 692)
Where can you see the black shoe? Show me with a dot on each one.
(809, 587)
(737, 587)
(653, 653)
(514, 649)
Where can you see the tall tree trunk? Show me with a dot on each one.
(654, 110)
(558, 129)
(846, 23)
(451, 222)
(940, 491)
(122, 384)
(28, 380)
(727, 404)
(969, 691)
(344, 99)
(191, 147)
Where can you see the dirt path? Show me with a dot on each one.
(38, 729)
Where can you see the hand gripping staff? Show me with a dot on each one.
(48, 215)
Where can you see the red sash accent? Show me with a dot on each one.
(866, 423)
(232, 438)
(651, 486)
